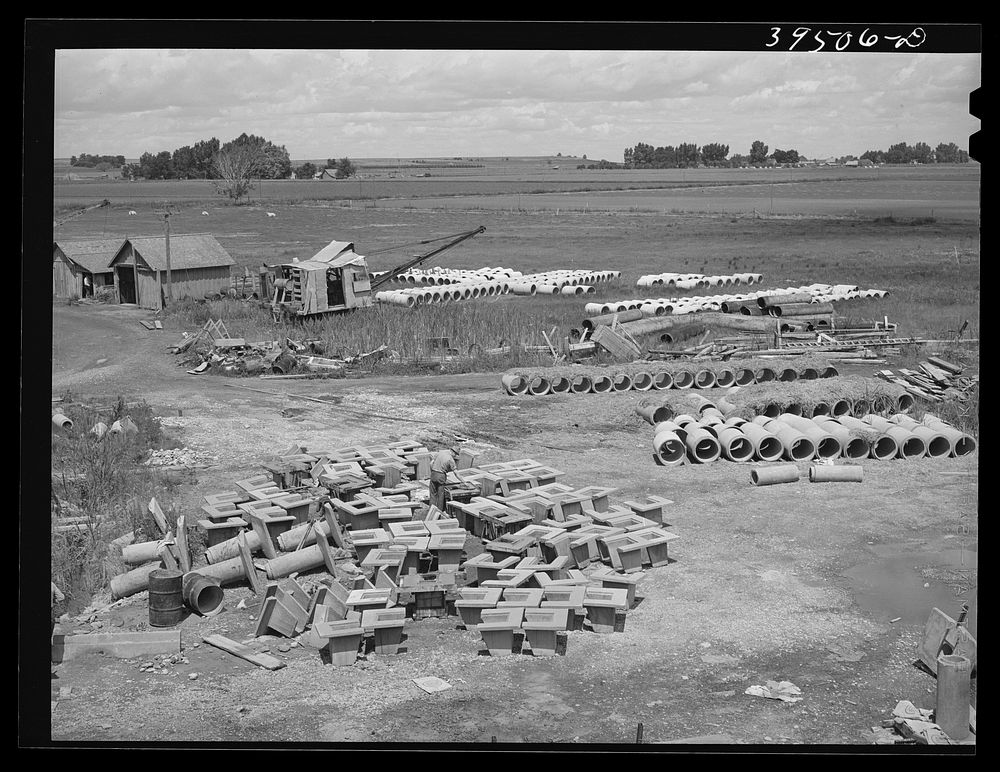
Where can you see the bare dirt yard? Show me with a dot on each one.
(824, 585)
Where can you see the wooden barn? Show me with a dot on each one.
(334, 279)
(80, 267)
(199, 267)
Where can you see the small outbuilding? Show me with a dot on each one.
(199, 268)
(334, 279)
(81, 267)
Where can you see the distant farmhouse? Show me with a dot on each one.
(80, 267)
(199, 267)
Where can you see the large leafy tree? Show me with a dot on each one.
(237, 165)
(714, 153)
(758, 152)
(345, 168)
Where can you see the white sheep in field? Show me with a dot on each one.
(131, 212)
(205, 213)
(271, 214)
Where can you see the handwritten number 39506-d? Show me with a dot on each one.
(841, 40)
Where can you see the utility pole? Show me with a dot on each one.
(166, 249)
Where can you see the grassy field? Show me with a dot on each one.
(929, 263)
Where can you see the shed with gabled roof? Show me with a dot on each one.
(81, 266)
(199, 267)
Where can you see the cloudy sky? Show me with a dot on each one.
(410, 103)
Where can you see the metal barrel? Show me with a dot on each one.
(166, 606)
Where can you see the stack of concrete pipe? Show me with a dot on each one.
(693, 280)
(795, 389)
(645, 376)
(444, 285)
(747, 303)
(710, 434)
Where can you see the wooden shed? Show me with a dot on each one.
(334, 279)
(199, 267)
(80, 267)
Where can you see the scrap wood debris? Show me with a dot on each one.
(785, 691)
(185, 457)
(911, 725)
(934, 380)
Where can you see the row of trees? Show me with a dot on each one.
(687, 155)
(104, 162)
(342, 168)
(902, 153)
(199, 161)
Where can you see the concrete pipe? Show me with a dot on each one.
(601, 384)
(580, 384)
(293, 562)
(642, 381)
(793, 408)
(466, 293)
(131, 582)
(523, 289)
(515, 385)
(700, 403)
(230, 548)
(570, 290)
(200, 593)
(771, 410)
(831, 473)
(827, 445)
(725, 377)
(904, 402)
(800, 309)
(961, 443)
(663, 380)
(683, 379)
(548, 289)
(143, 552)
(809, 373)
(820, 409)
(744, 376)
(736, 446)
(936, 444)
(796, 445)
(621, 382)
(764, 374)
(725, 406)
(788, 374)
(654, 414)
(774, 475)
(593, 309)
(627, 316)
(840, 407)
(705, 379)
(668, 448)
(851, 447)
(712, 412)
(670, 426)
(829, 372)
(909, 445)
(748, 310)
(61, 422)
(766, 446)
(288, 541)
(560, 384)
(539, 386)
(436, 296)
(683, 419)
(702, 446)
(588, 289)
(766, 301)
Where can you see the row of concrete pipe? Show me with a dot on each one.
(695, 280)
(446, 276)
(774, 302)
(709, 377)
(473, 285)
(793, 438)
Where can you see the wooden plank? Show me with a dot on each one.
(183, 555)
(943, 365)
(123, 645)
(157, 513)
(243, 652)
(247, 559)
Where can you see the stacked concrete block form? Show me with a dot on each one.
(651, 376)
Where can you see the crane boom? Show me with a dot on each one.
(56, 223)
(393, 273)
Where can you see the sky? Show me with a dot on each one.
(421, 103)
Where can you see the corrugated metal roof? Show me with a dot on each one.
(331, 250)
(186, 251)
(93, 255)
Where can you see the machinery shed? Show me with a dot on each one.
(199, 267)
(80, 267)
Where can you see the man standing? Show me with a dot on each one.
(443, 463)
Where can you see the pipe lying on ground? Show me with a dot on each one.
(800, 309)
(225, 571)
(840, 407)
(745, 376)
(705, 379)
(936, 444)
(961, 443)
(663, 380)
(826, 444)
(796, 445)
(683, 379)
(788, 374)
(580, 384)
(909, 444)
(831, 473)
(625, 316)
(764, 374)
(774, 475)
(766, 446)
(230, 548)
(711, 319)
(642, 381)
(669, 448)
(200, 593)
(820, 409)
(736, 446)
(621, 382)
(809, 373)
(61, 422)
(601, 384)
(700, 402)
(861, 407)
(725, 406)
(539, 386)
(515, 385)
(560, 384)
(702, 446)
(654, 414)
(725, 377)
(830, 372)
(766, 301)
(851, 447)
(131, 582)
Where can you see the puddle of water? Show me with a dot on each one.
(894, 587)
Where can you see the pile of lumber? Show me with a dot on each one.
(934, 380)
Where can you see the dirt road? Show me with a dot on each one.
(795, 582)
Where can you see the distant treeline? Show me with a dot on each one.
(92, 161)
(689, 154)
(197, 161)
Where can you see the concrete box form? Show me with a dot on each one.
(566, 504)
(654, 543)
(544, 474)
(571, 523)
(556, 546)
(218, 532)
(264, 508)
(408, 527)
(444, 525)
(493, 466)
(523, 463)
(226, 497)
(520, 596)
(360, 600)
(566, 597)
(373, 618)
(603, 607)
(551, 618)
(575, 578)
(538, 507)
(628, 556)
(632, 522)
(341, 641)
(222, 511)
(257, 481)
(542, 628)
(497, 628)
(508, 544)
(553, 489)
(608, 543)
(268, 493)
(555, 569)
(583, 548)
(613, 512)
(539, 532)
(344, 467)
(508, 578)
(388, 500)
(652, 509)
(269, 527)
(482, 567)
(384, 556)
(598, 496)
(295, 505)
(473, 600)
